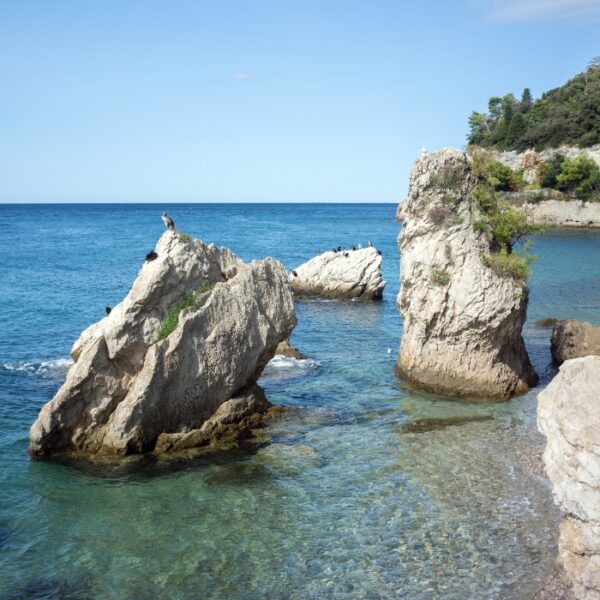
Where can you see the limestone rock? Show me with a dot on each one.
(462, 320)
(126, 387)
(285, 348)
(573, 339)
(340, 275)
(569, 416)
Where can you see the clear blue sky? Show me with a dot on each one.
(260, 101)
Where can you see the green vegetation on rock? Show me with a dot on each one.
(169, 324)
(569, 115)
(507, 224)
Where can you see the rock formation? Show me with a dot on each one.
(574, 339)
(179, 355)
(462, 319)
(285, 348)
(569, 417)
(340, 275)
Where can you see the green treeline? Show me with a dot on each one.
(567, 115)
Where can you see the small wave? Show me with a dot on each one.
(48, 369)
(282, 367)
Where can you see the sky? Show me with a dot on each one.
(260, 101)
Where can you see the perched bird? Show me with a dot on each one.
(346, 254)
(370, 244)
(151, 256)
(318, 252)
(353, 247)
(339, 248)
(107, 308)
(379, 252)
(294, 274)
(334, 249)
(359, 246)
(168, 221)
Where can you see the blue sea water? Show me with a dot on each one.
(342, 502)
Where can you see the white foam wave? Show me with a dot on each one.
(282, 367)
(50, 369)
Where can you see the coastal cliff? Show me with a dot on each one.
(569, 416)
(463, 315)
(182, 351)
(340, 275)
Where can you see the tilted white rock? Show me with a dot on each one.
(125, 388)
(462, 320)
(569, 416)
(340, 275)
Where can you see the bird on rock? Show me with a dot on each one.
(170, 224)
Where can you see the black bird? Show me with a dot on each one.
(294, 274)
(151, 256)
(353, 247)
(346, 254)
(339, 248)
(168, 221)
(379, 252)
(107, 308)
(318, 252)
(334, 250)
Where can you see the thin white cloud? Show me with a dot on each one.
(241, 76)
(563, 11)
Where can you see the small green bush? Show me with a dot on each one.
(516, 264)
(184, 237)
(549, 170)
(580, 175)
(439, 277)
(438, 214)
(169, 324)
(457, 219)
(480, 224)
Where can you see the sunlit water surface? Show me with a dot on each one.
(344, 502)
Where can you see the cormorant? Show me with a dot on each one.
(370, 244)
(353, 247)
(346, 254)
(168, 221)
(151, 256)
(107, 308)
(379, 252)
(294, 273)
(339, 248)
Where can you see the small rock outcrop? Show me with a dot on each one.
(569, 416)
(462, 319)
(285, 348)
(176, 360)
(342, 275)
(574, 339)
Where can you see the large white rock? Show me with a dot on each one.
(125, 388)
(462, 320)
(340, 275)
(569, 416)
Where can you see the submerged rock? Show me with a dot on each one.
(573, 339)
(343, 275)
(569, 416)
(285, 348)
(462, 320)
(196, 329)
(435, 424)
(546, 322)
(290, 459)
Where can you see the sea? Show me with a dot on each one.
(343, 497)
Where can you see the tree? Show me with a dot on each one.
(495, 107)
(479, 128)
(580, 175)
(516, 130)
(526, 101)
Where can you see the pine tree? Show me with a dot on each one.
(526, 101)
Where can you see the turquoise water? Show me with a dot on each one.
(344, 503)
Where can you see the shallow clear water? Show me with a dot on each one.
(345, 503)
